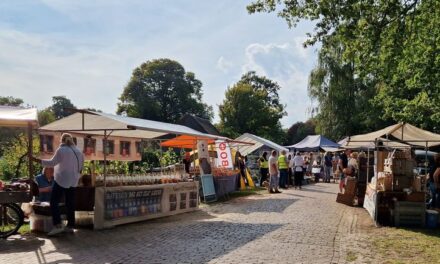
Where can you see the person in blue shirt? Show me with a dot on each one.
(45, 181)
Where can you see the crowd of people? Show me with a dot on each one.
(279, 171)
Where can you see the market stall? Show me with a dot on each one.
(226, 179)
(396, 194)
(11, 215)
(121, 198)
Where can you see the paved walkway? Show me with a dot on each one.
(305, 226)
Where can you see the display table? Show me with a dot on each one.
(128, 204)
(225, 184)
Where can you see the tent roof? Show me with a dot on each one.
(95, 123)
(258, 143)
(315, 142)
(402, 132)
(11, 116)
(371, 145)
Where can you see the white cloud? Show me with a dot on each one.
(224, 65)
(37, 67)
(289, 64)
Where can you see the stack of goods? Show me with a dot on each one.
(224, 172)
(400, 167)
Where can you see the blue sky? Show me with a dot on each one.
(87, 50)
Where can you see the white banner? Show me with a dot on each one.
(224, 157)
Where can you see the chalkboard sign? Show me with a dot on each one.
(208, 188)
(132, 203)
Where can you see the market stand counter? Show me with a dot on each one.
(127, 204)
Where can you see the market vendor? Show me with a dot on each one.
(45, 182)
(187, 161)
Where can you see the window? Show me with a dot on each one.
(89, 146)
(42, 142)
(49, 143)
(125, 148)
(46, 143)
(110, 147)
(138, 147)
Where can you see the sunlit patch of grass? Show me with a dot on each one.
(408, 245)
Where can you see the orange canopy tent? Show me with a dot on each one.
(186, 141)
(190, 142)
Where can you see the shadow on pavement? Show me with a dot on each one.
(319, 191)
(189, 242)
(276, 205)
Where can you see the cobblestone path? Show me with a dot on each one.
(297, 226)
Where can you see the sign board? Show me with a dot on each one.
(224, 157)
(132, 203)
(202, 149)
(208, 188)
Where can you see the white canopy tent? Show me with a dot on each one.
(402, 132)
(95, 123)
(18, 117)
(346, 144)
(258, 142)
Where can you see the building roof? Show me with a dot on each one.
(199, 124)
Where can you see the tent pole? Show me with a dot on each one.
(30, 149)
(368, 164)
(426, 157)
(161, 157)
(377, 193)
(105, 158)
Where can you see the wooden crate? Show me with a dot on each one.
(347, 199)
(350, 187)
(409, 213)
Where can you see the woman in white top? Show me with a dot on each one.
(68, 163)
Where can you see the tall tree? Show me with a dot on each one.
(392, 46)
(45, 117)
(10, 101)
(58, 108)
(299, 131)
(245, 109)
(162, 90)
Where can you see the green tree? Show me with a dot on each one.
(13, 163)
(45, 117)
(10, 101)
(299, 131)
(162, 90)
(245, 109)
(392, 47)
(58, 108)
(7, 134)
(265, 85)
